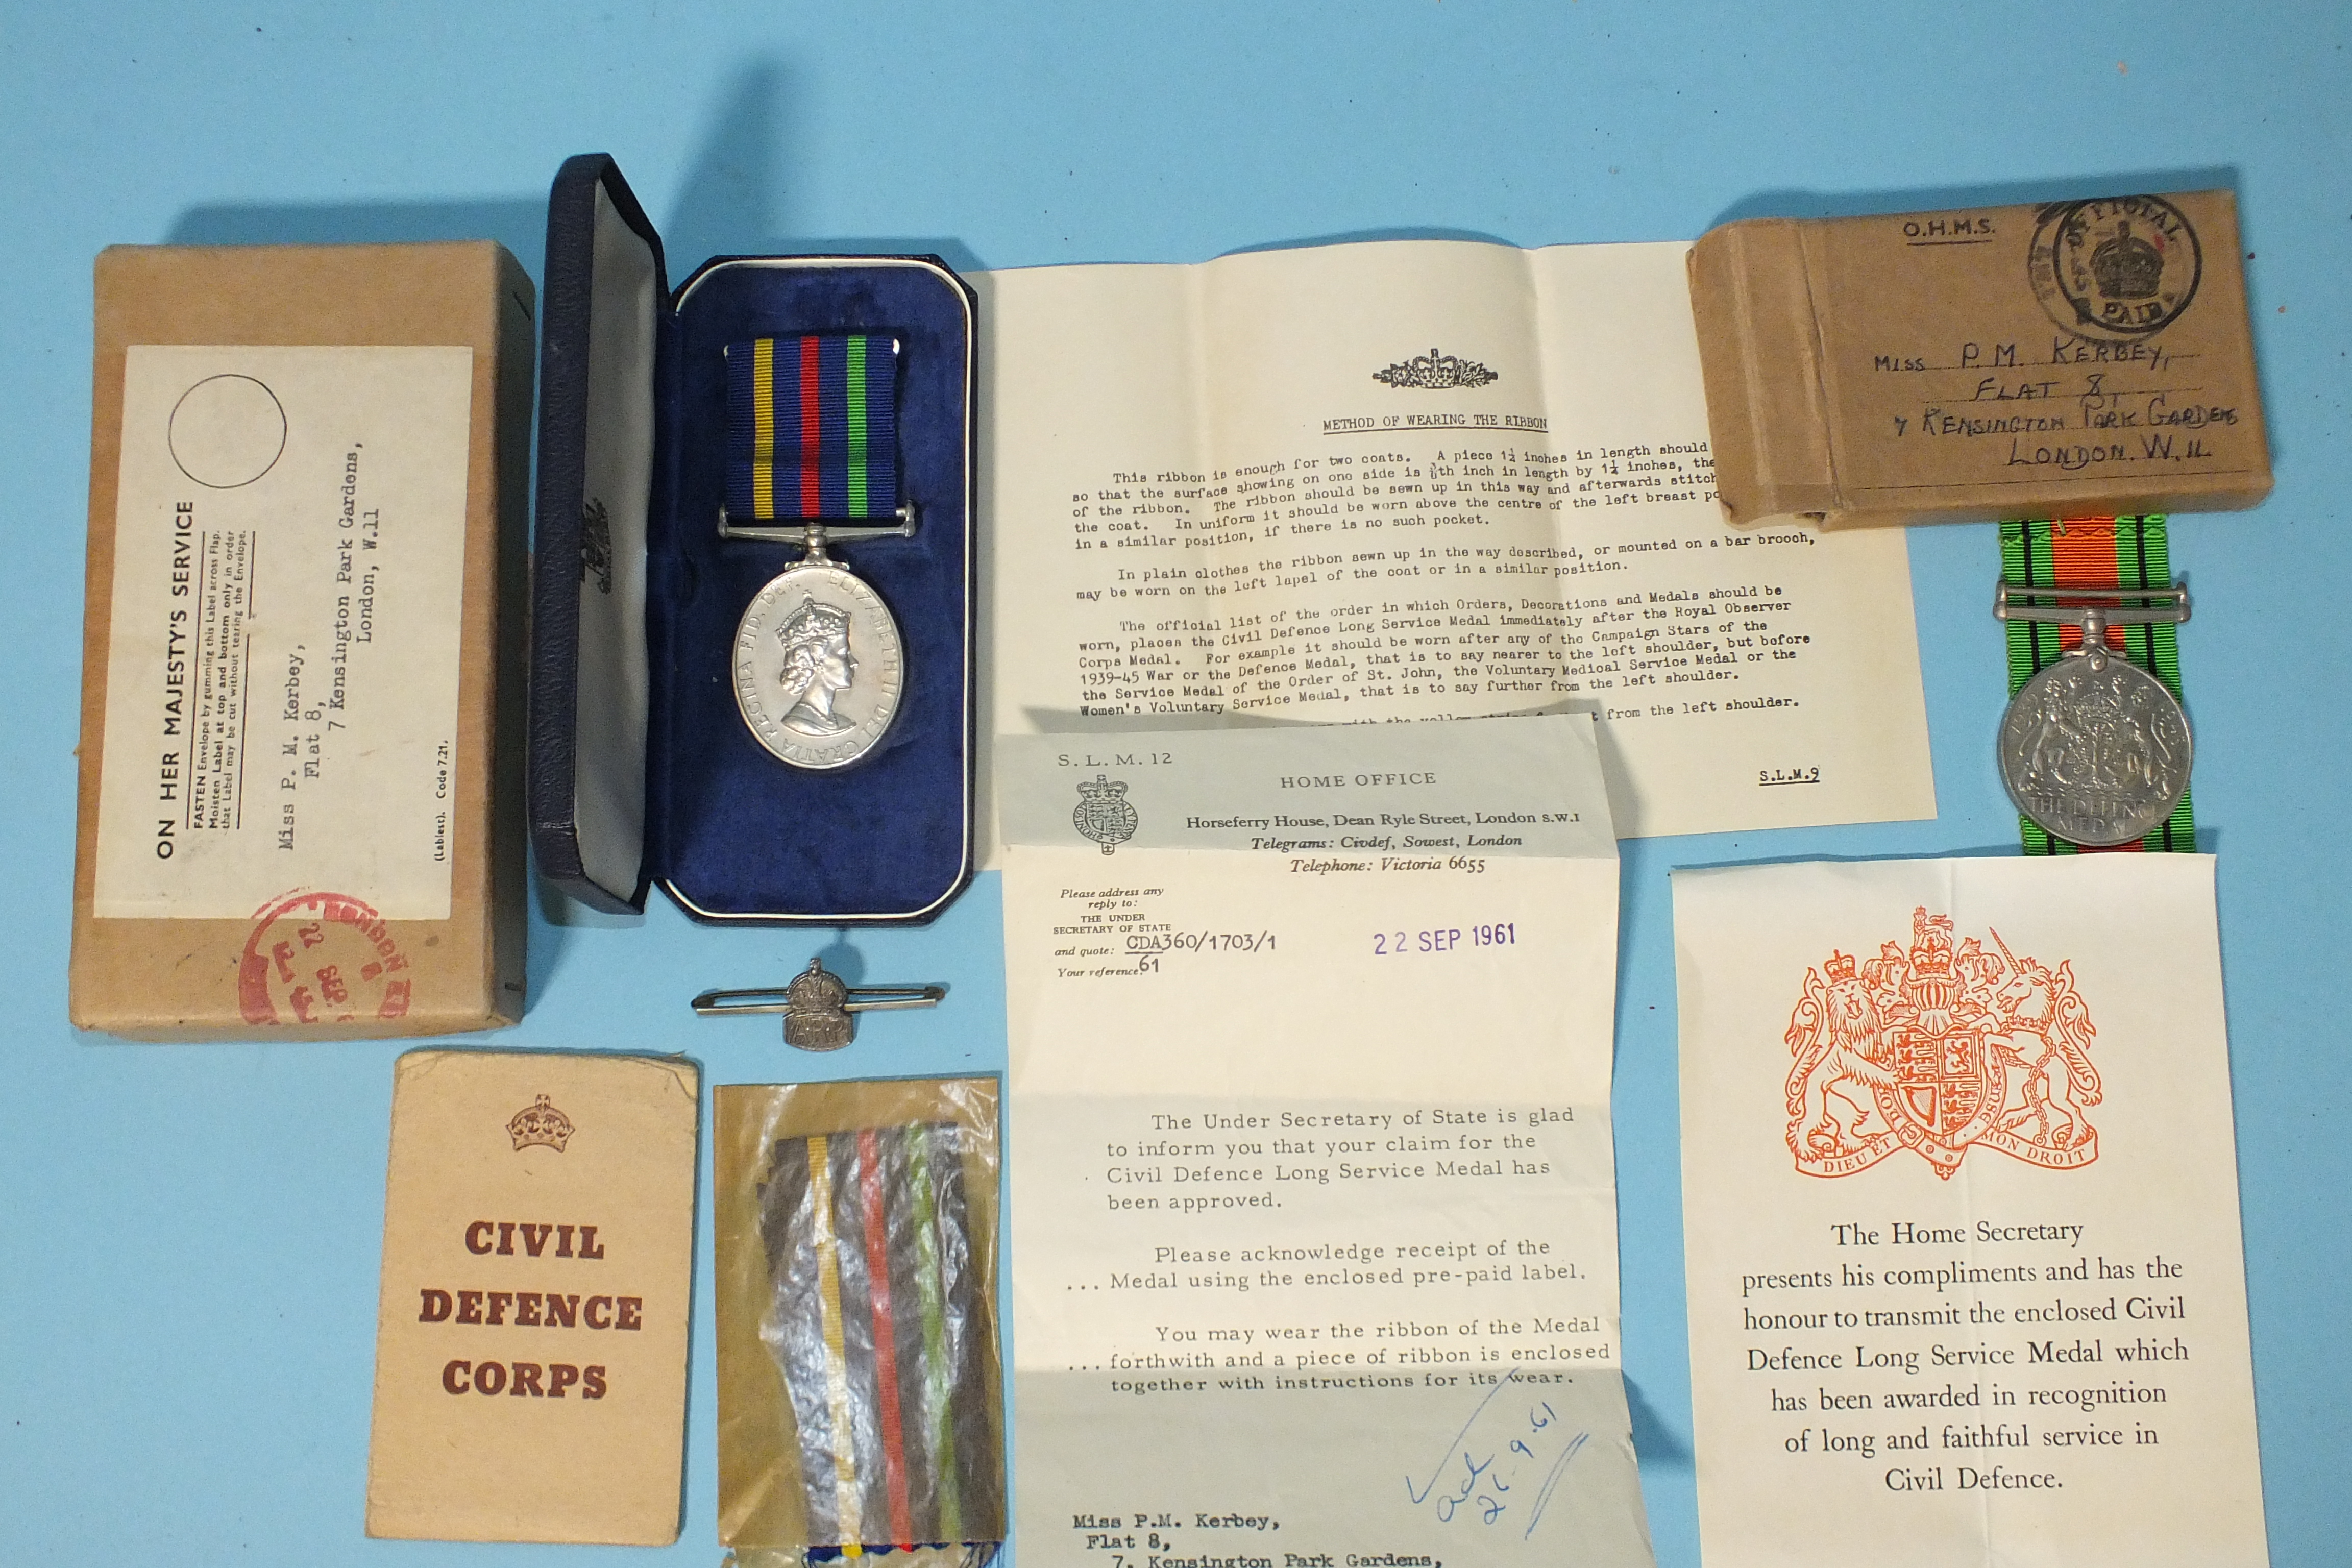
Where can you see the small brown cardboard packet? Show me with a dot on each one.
(531, 1332)
(300, 795)
(860, 1399)
(2085, 358)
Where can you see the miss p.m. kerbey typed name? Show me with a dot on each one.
(590, 1310)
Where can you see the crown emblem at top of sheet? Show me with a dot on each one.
(1434, 371)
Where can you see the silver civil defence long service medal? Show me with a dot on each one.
(2093, 748)
(819, 666)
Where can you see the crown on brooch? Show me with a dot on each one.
(539, 1122)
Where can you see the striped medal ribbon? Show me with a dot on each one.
(812, 427)
(882, 1336)
(2094, 748)
(812, 461)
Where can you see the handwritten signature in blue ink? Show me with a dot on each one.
(1504, 1464)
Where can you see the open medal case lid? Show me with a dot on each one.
(642, 767)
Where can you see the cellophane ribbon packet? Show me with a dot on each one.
(860, 1400)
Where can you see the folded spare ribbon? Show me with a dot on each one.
(884, 1341)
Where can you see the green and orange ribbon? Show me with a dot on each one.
(2125, 552)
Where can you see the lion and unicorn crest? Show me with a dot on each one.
(1937, 1050)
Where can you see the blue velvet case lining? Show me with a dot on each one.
(732, 832)
(739, 833)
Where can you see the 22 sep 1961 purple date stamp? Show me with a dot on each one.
(1444, 938)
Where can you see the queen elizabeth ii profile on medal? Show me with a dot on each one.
(818, 667)
(817, 664)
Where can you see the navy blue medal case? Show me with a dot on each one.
(641, 769)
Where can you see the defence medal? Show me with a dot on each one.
(2094, 748)
(819, 667)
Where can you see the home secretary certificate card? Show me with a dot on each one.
(1315, 1232)
(1961, 1208)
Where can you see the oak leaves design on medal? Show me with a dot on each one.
(1937, 1048)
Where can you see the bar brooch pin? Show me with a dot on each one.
(820, 1009)
(2093, 748)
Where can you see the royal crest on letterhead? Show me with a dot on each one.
(1434, 371)
(1104, 813)
(539, 1122)
(1936, 1048)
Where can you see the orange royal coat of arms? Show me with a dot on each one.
(1936, 1048)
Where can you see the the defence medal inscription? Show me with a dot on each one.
(2096, 757)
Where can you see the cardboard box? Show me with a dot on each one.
(2077, 359)
(300, 792)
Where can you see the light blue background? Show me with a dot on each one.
(188, 1235)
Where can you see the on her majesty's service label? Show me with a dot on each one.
(281, 704)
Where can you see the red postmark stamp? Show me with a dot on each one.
(320, 958)
(1936, 1048)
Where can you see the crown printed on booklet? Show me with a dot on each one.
(1839, 967)
(539, 1122)
(1434, 371)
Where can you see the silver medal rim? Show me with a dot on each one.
(895, 649)
(2142, 822)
